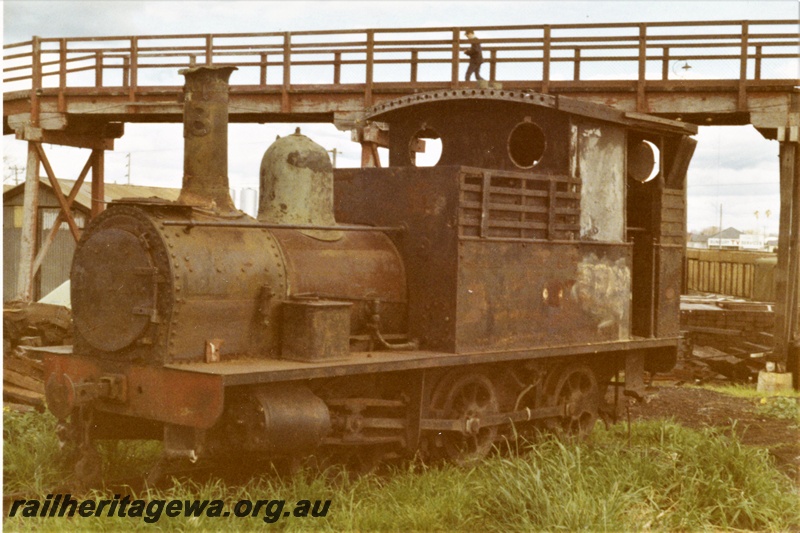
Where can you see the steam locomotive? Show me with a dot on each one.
(390, 310)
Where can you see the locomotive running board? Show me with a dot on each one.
(163, 394)
(254, 371)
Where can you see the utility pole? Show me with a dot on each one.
(334, 152)
(129, 168)
(17, 169)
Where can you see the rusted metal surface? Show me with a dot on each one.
(480, 297)
(178, 289)
(360, 267)
(280, 419)
(189, 224)
(160, 394)
(296, 185)
(565, 294)
(425, 200)
(601, 163)
(468, 398)
(251, 371)
(206, 287)
(205, 132)
(217, 281)
(314, 329)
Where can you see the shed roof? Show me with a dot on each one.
(113, 191)
(728, 233)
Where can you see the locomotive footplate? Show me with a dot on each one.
(193, 394)
(161, 394)
(255, 371)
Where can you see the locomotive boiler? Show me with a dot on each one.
(386, 310)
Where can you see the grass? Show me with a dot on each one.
(783, 405)
(667, 478)
(750, 392)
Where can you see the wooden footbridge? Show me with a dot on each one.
(81, 91)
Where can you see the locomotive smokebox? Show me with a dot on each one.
(205, 133)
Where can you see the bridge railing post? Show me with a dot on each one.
(576, 67)
(262, 77)
(98, 68)
(742, 97)
(134, 69)
(369, 67)
(665, 64)
(641, 105)
(126, 72)
(757, 73)
(62, 74)
(287, 75)
(414, 65)
(546, 60)
(337, 68)
(36, 78)
(455, 57)
(209, 49)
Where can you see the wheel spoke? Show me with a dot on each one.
(576, 390)
(467, 396)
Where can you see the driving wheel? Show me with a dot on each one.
(575, 390)
(468, 397)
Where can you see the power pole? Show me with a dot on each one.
(17, 169)
(129, 168)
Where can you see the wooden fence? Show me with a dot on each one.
(731, 272)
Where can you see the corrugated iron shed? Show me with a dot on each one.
(56, 266)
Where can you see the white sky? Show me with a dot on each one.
(733, 166)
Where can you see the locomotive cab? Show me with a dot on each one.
(545, 222)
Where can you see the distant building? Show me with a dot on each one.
(751, 242)
(56, 266)
(727, 239)
(697, 240)
(732, 239)
(772, 244)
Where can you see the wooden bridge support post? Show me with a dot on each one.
(98, 182)
(30, 230)
(787, 274)
(30, 199)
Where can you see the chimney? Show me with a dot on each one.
(205, 133)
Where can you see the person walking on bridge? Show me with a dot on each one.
(475, 56)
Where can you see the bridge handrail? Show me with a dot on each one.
(52, 63)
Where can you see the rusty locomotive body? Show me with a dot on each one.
(385, 310)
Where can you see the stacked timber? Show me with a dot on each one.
(725, 336)
(27, 327)
(23, 387)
